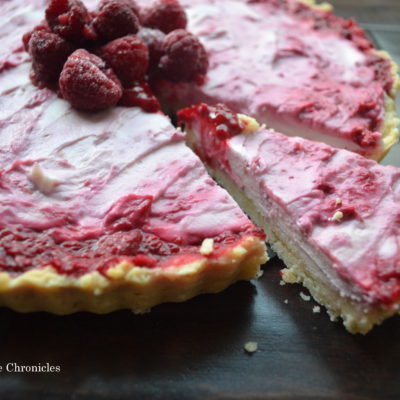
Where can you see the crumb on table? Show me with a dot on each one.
(251, 347)
(305, 297)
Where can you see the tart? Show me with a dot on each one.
(106, 210)
(331, 215)
(295, 66)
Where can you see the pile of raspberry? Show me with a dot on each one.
(99, 59)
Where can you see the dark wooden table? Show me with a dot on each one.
(195, 350)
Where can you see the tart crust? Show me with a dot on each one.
(129, 286)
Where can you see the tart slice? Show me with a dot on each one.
(108, 210)
(296, 67)
(331, 215)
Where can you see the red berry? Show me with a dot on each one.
(67, 18)
(115, 19)
(165, 15)
(128, 57)
(133, 5)
(184, 58)
(43, 26)
(153, 39)
(49, 53)
(87, 84)
(140, 95)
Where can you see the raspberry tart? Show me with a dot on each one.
(102, 205)
(295, 66)
(331, 215)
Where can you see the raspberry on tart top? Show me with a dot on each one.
(115, 18)
(128, 56)
(87, 83)
(165, 15)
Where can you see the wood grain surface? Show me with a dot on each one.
(195, 350)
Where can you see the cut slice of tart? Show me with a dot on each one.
(331, 215)
(296, 67)
(108, 210)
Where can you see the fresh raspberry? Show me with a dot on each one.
(115, 19)
(49, 53)
(133, 5)
(67, 18)
(43, 26)
(87, 84)
(128, 57)
(140, 95)
(165, 15)
(153, 39)
(184, 57)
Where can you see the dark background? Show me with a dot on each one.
(195, 350)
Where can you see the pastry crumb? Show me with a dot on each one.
(251, 347)
(305, 297)
(316, 309)
(282, 282)
(207, 247)
(260, 273)
(337, 216)
(286, 301)
(43, 182)
(249, 124)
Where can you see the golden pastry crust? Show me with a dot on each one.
(389, 129)
(129, 286)
(318, 6)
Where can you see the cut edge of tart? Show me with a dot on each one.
(297, 270)
(359, 312)
(128, 286)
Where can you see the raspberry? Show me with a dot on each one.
(87, 84)
(115, 19)
(133, 5)
(49, 53)
(185, 57)
(153, 39)
(128, 57)
(67, 18)
(165, 15)
(140, 95)
(43, 26)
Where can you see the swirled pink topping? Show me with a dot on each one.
(345, 207)
(300, 70)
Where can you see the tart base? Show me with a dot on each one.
(128, 286)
